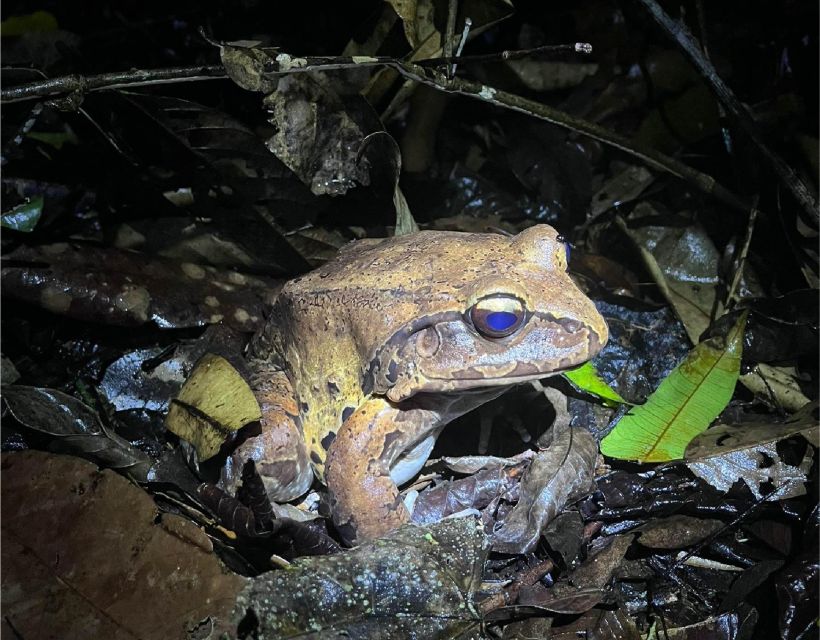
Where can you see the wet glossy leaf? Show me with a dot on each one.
(683, 261)
(23, 217)
(74, 426)
(684, 404)
(130, 289)
(214, 402)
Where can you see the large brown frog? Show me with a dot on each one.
(366, 359)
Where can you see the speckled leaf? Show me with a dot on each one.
(213, 402)
(684, 404)
(756, 465)
(418, 583)
(586, 378)
(130, 289)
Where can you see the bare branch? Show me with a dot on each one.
(51, 87)
(680, 34)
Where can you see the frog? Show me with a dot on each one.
(363, 361)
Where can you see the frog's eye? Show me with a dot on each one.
(497, 317)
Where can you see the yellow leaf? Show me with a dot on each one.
(214, 402)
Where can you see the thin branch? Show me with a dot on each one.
(279, 62)
(578, 47)
(724, 94)
(450, 30)
(51, 87)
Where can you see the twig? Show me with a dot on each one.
(468, 23)
(279, 63)
(284, 63)
(724, 94)
(117, 80)
(578, 47)
(450, 31)
(742, 255)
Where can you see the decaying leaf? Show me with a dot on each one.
(317, 134)
(474, 492)
(677, 531)
(84, 557)
(75, 427)
(684, 404)
(755, 465)
(683, 260)
(214, 402)
(562, 473)
(776, 383)
(584, 587)
(723, 438)
(418, 582)
(621, 188)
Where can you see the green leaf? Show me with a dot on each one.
(54, 139)
(37, 22)
(587, 379)
(684, 404)
(24, 216)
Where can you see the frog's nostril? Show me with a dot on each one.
(428, 343)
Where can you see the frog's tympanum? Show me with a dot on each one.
(366, 359)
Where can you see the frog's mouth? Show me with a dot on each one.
(446, 354)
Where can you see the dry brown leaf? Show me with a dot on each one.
(83, 557)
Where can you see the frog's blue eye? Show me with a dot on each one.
(500, 320)
(497, 317)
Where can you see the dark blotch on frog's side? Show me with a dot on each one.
(392, 372)
(328, 440)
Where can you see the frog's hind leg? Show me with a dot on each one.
(279, 449)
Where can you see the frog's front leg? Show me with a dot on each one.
(364, 499)
(279, 449)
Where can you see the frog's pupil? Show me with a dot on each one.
(501, 320)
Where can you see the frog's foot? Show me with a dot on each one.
(279, 449)
(364, 499)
